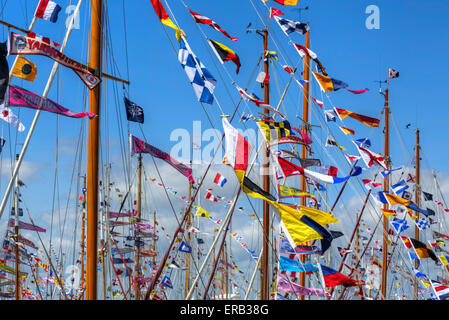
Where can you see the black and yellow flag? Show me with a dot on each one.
(225, 54)
(25, 69)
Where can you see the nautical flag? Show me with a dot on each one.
(210, 196)
(275, 130)
(427, 196)
(328, 170)
(202, 213)
(440, 235)
(2, 143)
(237, 150)
(263, 78)
(423, 250)
(399, 225)
(318, 102)
(302, 51)
(184, 247)
(133, 111)
(331, 115)
(205, 20)
(352, 159)
(220, 180)
(286, 2)
(388, 213)
(4, 71)
(225, 54)
(441, 290)
(290, 168)
(370, 158)
(291, 287)
(245, 117)
(406, 242)
(331, 142)
(275, 12)
(364, 142)
(422, 224)
(291, 192)
(7, 115)
(413, 257)
(370, 184)
(286, 264)
(406, 195)
(444, 260)
(47, 10)
(334, 278)
(200, 78)
(347, 131)
(370, 122)
(392, 73)
(430, 212)
(163, 16)
(399, 187)
(24, 69)
(193, 230)
(46, 40)
(140, 146)
(166, 280)
(328, 84)
(387, 172)
(288, 69)
(289, 26)
(246, 96)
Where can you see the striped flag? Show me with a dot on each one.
(205, 20)
(210, 196)
(220, 180)
(48, 10)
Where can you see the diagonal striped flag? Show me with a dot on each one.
(205, 20)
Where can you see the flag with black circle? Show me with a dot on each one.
(24, 69)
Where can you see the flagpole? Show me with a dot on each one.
(417, 201)
(139, 215)
(305, 129)
(96, 42)
(386, 188)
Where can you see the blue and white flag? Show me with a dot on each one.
(363, 143)
(167, 282)
(399, 225)
(399, 187)
(413, 257)
(48, 10)
(184, 247)
(422, 224)
(289, 26)
(387, 172)
(286, 264)
(330, 115)
(201, 79)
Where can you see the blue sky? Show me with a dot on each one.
(412, 39)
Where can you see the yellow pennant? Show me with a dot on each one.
(24, 69)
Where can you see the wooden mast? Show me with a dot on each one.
(264, 281)
(139, 215)
(93, 147)
(305, 129)
(386, 188)
(417, 201)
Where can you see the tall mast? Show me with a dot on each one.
(83, 234)
(16, 231)
(139, 215)
(305, 129)
(264, 281)
(417, 201)
(93, 147)
(188, 223)
(386, 188)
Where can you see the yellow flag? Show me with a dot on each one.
(444, 260)
(392, 200)
(25, 69)
(202, 213)
(321, 217)
(388, 213)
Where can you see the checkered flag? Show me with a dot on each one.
(289, 26)
(422, 224)
(202, 81)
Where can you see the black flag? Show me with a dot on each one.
(4, 71)
(428, 196)
(133, 111)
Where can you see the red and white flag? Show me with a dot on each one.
(370, 158)
(47, 10)
(288, 69)
(304, 51)
(318, 102)
(352, 159)
(205, 20)
(275, 12)
(370, 184)
(46, 40)
(210, 196)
